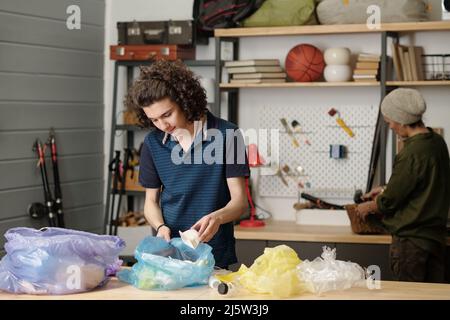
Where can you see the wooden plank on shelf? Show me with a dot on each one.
(416, 26)
(336, 84)
(291, 30)
(418, 83)
(299, 84)
(332, 29)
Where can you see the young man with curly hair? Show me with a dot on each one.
(193, 164)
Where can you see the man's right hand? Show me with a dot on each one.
(164, 232)
(373, 193)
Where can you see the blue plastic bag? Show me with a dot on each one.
(170, 265)
(57, 261)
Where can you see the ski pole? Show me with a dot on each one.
(114, 167)
(122, 187)
(47, 193)
(126, 167)
(57, 182)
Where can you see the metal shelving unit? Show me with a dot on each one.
(387, 30)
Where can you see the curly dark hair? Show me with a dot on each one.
(166, 79)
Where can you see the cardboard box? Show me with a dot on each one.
(131, 182)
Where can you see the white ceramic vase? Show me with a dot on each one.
(339, 56)
(337, 73)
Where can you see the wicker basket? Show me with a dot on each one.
(360, 226)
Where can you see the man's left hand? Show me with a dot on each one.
(366, 208)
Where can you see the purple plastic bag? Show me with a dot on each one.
(57, 261)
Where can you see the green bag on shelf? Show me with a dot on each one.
(276, 13)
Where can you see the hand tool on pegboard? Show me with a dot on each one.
(295, 142)
(333, 112)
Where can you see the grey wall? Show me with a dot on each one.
(51, 76)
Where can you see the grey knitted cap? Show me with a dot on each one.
(405, 106)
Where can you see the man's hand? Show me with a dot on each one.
(366, 208)
(373, 193)
(207, 227)
(164, 232)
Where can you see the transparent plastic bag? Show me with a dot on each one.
(170, 265)
(57, 261)
(325, 273)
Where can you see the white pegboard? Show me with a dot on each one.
(323, 177)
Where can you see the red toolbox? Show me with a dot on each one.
(151, 52)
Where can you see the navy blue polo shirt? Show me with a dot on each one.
(194, 182)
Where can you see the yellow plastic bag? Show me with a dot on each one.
(273, 273)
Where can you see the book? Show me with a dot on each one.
(401, 55)
(364, 76)
(396, 60)
(254, 69)
(367, 65)
(419, 62)
(413, 63)
(365, 80)
(407, 65)
(259, 75)
(368, 57)
(255, 62)
(366, 71)
(257, 80)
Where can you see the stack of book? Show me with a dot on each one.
(255, 71)
(407, 62)
(367, 68)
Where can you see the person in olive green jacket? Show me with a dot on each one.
(414, 205)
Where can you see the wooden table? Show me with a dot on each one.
(116, 290)
(290, 231)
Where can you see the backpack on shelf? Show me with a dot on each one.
(276, 13)
(212, 14)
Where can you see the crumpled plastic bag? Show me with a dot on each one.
(170, 265)
(57, 261)
(274, 272)
(325, 273)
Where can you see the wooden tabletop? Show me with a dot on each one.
(290, 231)
(116, 290)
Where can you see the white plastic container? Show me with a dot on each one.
(190, 237)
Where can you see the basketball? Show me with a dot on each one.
(304, 63)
